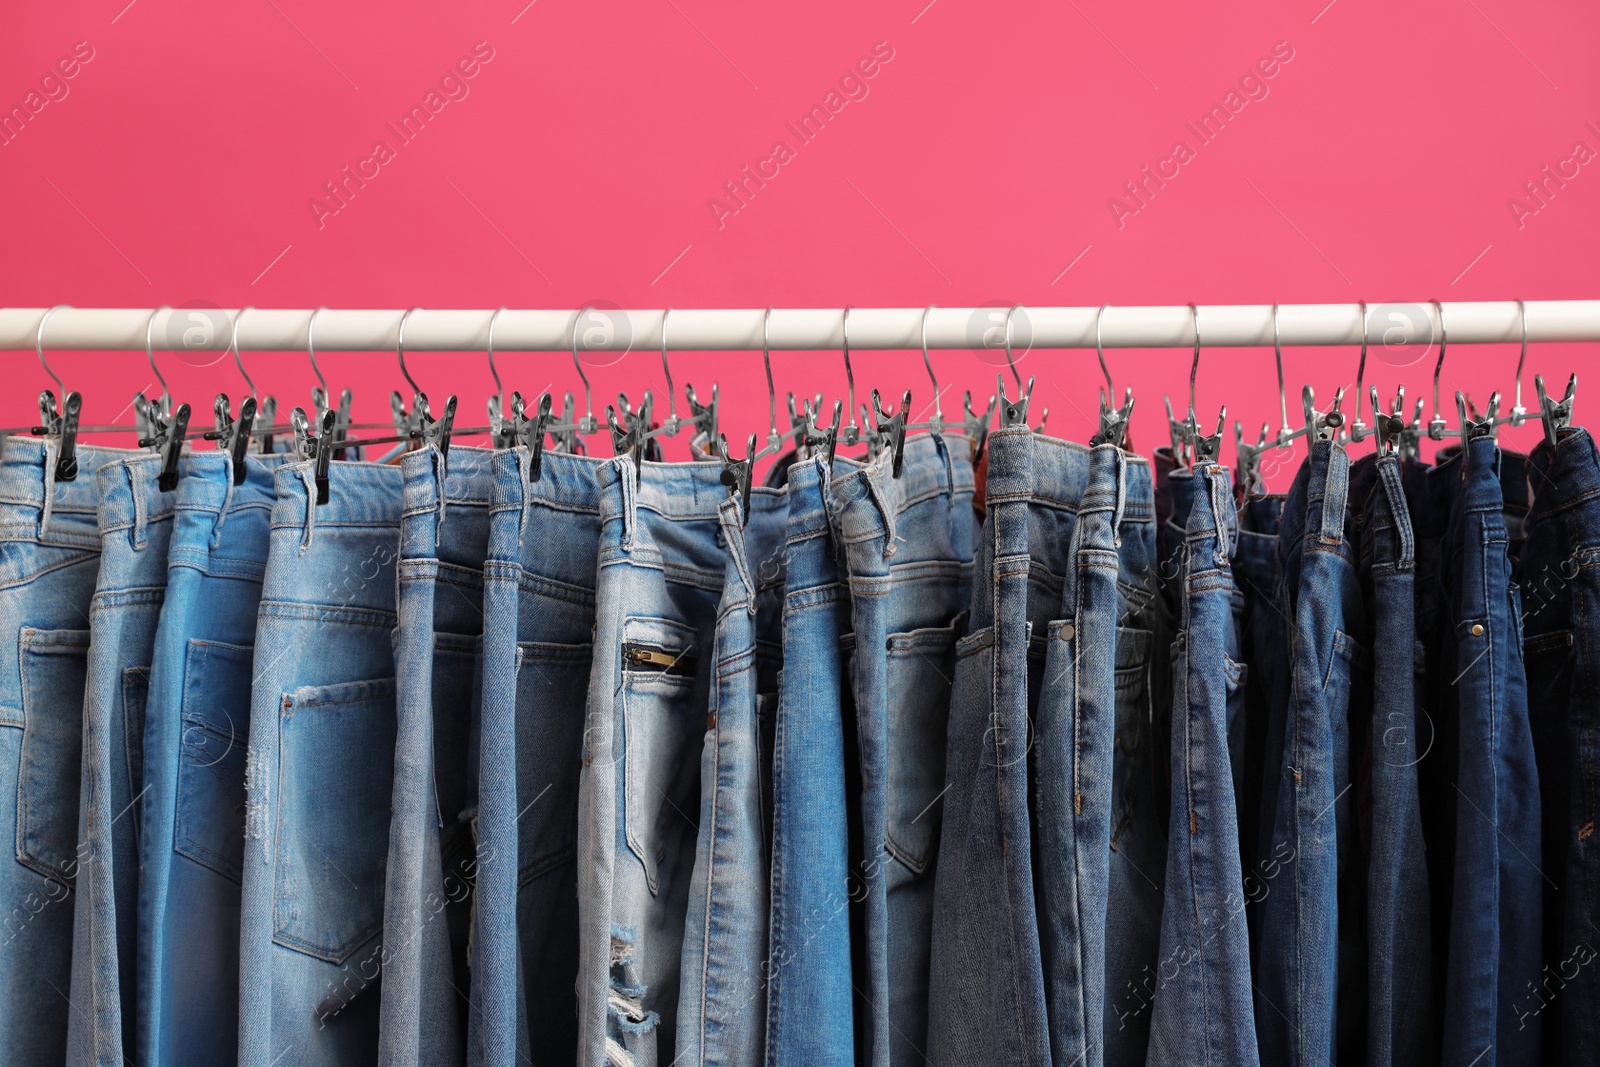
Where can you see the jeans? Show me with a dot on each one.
(1304, 954)
(1264, 637)
(908, 545)
(1202, 1013)
(539, 617)
(444, 538)
(1400, 1002)
(1560, 598)
(320, 772)
(661, 575)
(1495, 917)
(135, 528)
(987, 1001)
(47, 579)
(196, 733)
(809, 999)
(722, 1000)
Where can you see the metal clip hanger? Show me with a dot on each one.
(670, 425)
(1389, 427)
(1438, 428)
(62, 426)
(1472, 426)
(1208, 447)
(891, 428)
(739, 474)
(1555, 414)
(703, 417)
(233, 437)
(1177, 434)
(1519, 414)
(935, 424)
(433, 432)
(976, 426)
(529, 432)
(152, 417)
(1113, 426)
(1251, 483)
(500, 428)
(167, 428)
(1320, 426)
(850, 434)
(1012, 414)
(814, 435)
(1360, 431)
(629, 436)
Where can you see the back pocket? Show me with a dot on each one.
(209, 821)
(921, 671)
(55, 667)
(335, 780)
(552, 687)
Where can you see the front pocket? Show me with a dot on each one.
(552, 685)
(208, 825)
(661, 739)
(921, 669)
(55, 668)
(335, 784)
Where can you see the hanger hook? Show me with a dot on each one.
(1444, 337)
(1194, 364)
(852, 432)
(1111, 391)
(766, 359)
(499, 390)
(39, 347)
(588, 403)
(311, 350)
(400, 352)
(1012, 363)
(239, 362)
(666, 369)
(150, 349)
(1517, 410)
(938, 412)
(1361, 372)
(1283, 401)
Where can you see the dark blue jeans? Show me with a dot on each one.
(1560, 598)
(1399, 1008)
(1495, 915)
(1202, 1012)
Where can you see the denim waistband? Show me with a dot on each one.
(1566, 473)
(930, 467)
(808, 505)
(666, 515)
(1387, 539)
(130, 496)
(671, 490)
(30, 494)
(566, 481)
(1213, 516)
(1055, 473)
(207, 482)
(359, 494)
(468, 477)
(1488, 494)
(1315, 507)
(1262, 514)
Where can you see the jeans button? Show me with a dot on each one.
(1477, 629)
(1068, 632)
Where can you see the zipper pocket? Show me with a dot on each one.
(654, 659)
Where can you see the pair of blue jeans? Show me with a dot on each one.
(908, 545)
(135, 529)
(50, 535)
(1306, 951)
(539, 619)
(722, 996)
(809, 979)
(1202, 1012)
(1496, 910)
(432, 862)
(1560, 599)
(1388, 727)
(196, 734)
(661, 571)
(320, 771)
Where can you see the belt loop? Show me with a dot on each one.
(1335, 493)
(1122, 498)
(524, 466)
(1221, 500)
(1399, 514)
(135, 473)
(880, 486)
(49, 486)
(436, 463)
(728, 513)
(222, 512)
(309, 478)
(630, 513)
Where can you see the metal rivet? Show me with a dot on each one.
(1477, 629)
(1068, 632)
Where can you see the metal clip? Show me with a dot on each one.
(1013, 414)
(1251, 484)
(1114, 421)
(63, 426)
(892, 428)
(1319, 426)
(1555, 414)
(1389, 426)
(171, 448)
(737, 474)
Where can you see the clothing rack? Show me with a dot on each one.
(815, 329)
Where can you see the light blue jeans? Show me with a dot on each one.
(320, 772)
(196, 735)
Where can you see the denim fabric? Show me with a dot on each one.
(320, 772)
(661, 575)
(197, 730)
(1304, 954)
(135, 528)
(1560, 597)
(51, 558)
(722, 1000)
(987, 995)
(1264, 637)
(1400, 1001)
(539, 617)
(1202, 1012)
(908, 544)
(1495, 917)
(444, 538)
(809, 1020)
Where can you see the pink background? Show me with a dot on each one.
(580, 165)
